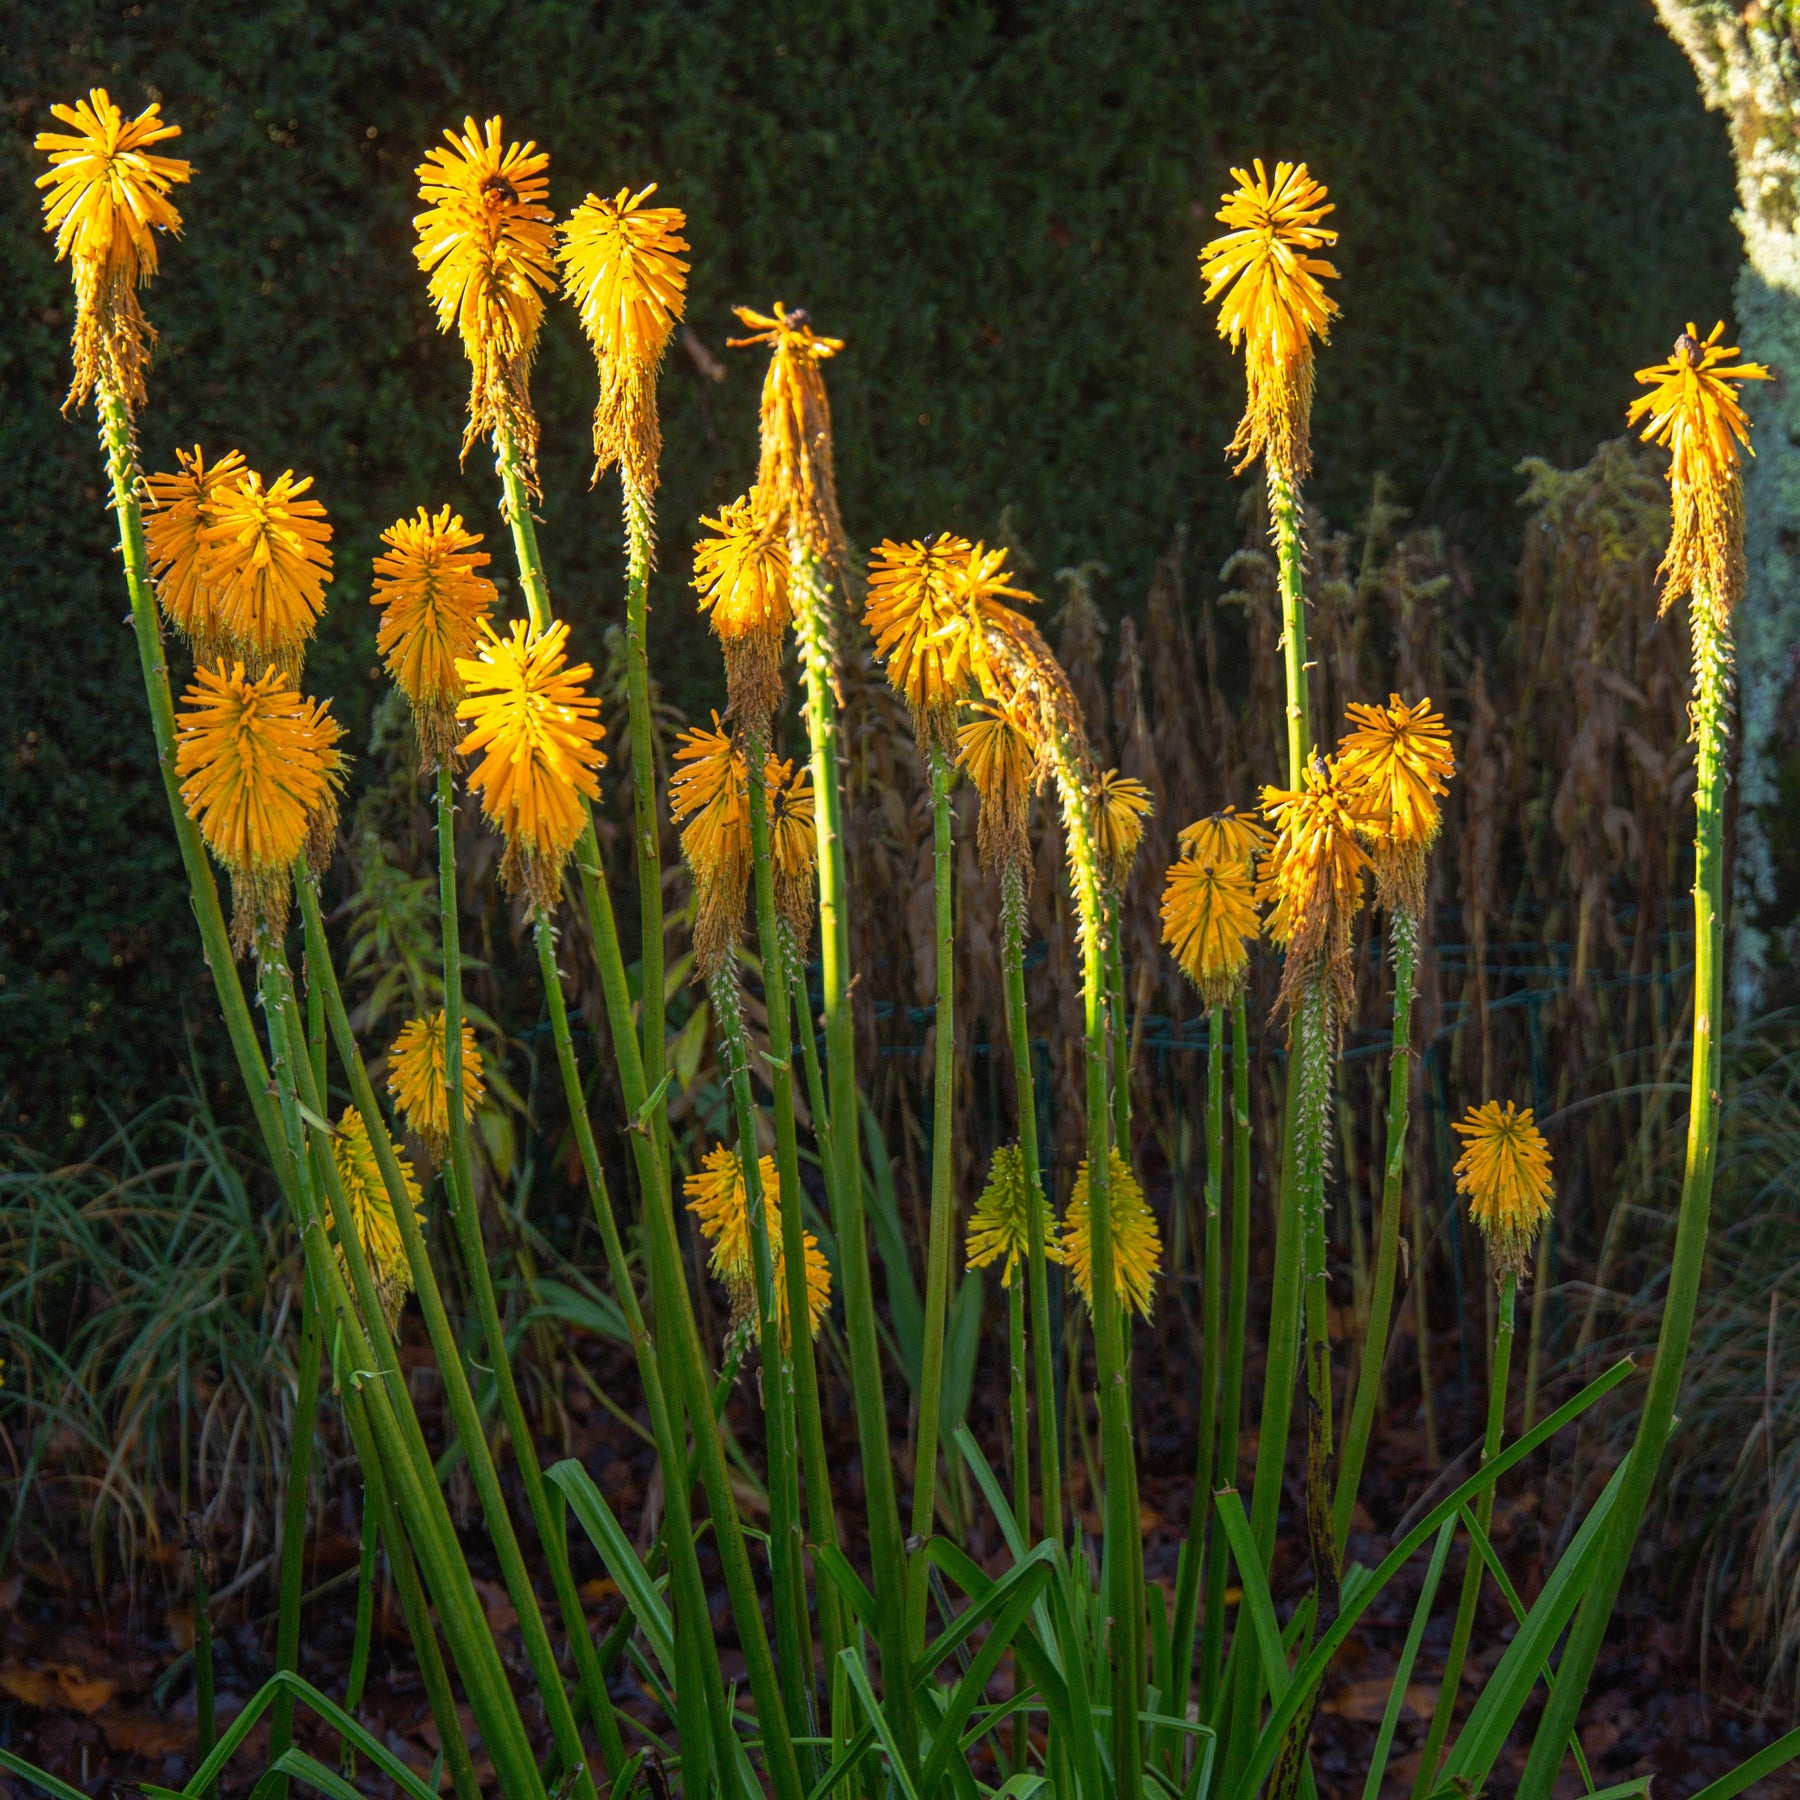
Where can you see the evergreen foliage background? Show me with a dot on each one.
(997, 206)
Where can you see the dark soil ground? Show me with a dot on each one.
(95, 1685)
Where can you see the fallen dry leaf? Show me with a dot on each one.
(600, 1588)
(58, 1687)
(1366, 1701)
(143, 1734)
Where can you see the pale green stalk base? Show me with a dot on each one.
(1711, 715)
(293, 1529)
(362, 1632)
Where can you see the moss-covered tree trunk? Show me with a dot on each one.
(1747, 56)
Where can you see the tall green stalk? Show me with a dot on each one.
(1050, 1475)
(1445, 1709)
(811, 597)
(943, 1199)
(1711, 722)
(1284, 527)
(1404, 929)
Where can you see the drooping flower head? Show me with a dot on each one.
(922, 630)
(256, 762)
(1313, 875)
(1275, 302)
(1001, 758)
(1136, 1239)
(1504, 1174)
(1227, 836)
(717, 1198)
(1121, 805)
(108, 198)
(999, 1227)
(741, 576)
(1694, 410)
(486, 240)
(433, 596)
(793, 846)
(181, 509)
(1396, 765)
(1209, 919)
(264, 561)
(622, 267)
(370, 1206)
(416, 1078)
(796, 474)
(539, 731)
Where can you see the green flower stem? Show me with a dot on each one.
(515, 508)
(457, 1391)
(1231, 1393)
(466, 1217)
(1202, 1545)
(786, 1549)
(1017, 1388)
(364, 1629)
(293, 1519)
(1711, 720)
(1050, 1477)
(1445, 1709)
(702, 1713)
(1404, 929)
(640, 540)
(887, 1555)
(809, 1061)
(943, 1197)
(1115, 1006)
(1312, 1056)
(1284, 527)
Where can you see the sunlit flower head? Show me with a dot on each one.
(433, 596)
(741, 576)
(622, 267)
(1693, 409)
(180, 509)
(795, 472)
(1504, 1174)
(1227, 836)
(256, 761)
(1136, 1239)
(709, 794)
(377, 1229)
(922, 630)
(416, 1079)
(1209, 920)
(1000, 1225)
(538, 731)
(264, 561)
(322, 815)
(717, 1198)
(108, 198)
(1121, 805)
(1001, 758)
(1274, 301)
(487, 240)
(1396, 765)
(793, 846)
(1313, 876)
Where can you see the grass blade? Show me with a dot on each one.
(1390, 1718)
(607, 1536)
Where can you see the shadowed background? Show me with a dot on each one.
(997, 207)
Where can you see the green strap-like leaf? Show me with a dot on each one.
(607, 1536)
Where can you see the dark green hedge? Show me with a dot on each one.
(998, 206)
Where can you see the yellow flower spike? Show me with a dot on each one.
(433, 600)
(540, 730)
(373, 1211)
(1694, 411)
(265, 562)
(741, 576)
(923, 630)
(1396, 765)
(795, 474)
(1504, 1174)
(322, 815)
(486, 239)
(257, 763)
(1121, 805)
(1227, 836)
(180, 510)
(416, 1079)
(1000, 1224)
(793, 846)
(1313, 874)
(710, 790)
(108, 198)
(621, 267)
(1001, 758)
(717, 1199)
(1209, 919)
(1136, 1239)
(1274, 302)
